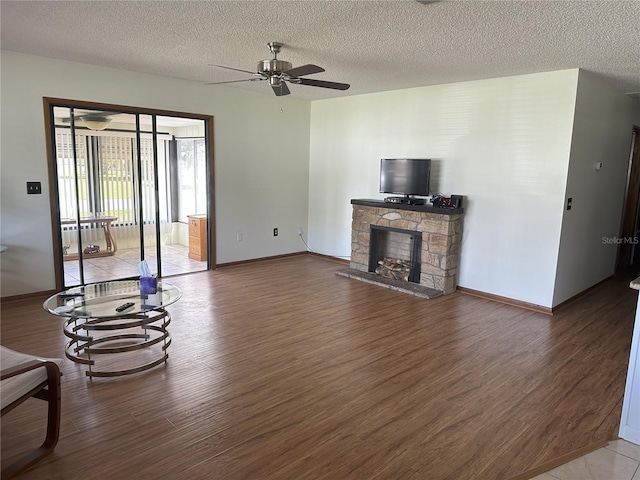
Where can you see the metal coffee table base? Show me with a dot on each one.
(93, 337)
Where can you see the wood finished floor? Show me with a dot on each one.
(282, 369)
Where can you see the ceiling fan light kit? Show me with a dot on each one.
(279, 72)
(96, 123)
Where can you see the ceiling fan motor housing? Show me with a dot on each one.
(274, 66)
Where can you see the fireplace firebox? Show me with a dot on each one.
(388, 243)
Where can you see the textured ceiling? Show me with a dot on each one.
(373, 45)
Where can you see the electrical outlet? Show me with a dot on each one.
(239, 237)
(300, 231)
(275, 232)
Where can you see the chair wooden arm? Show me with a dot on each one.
(23, 367)
(48, 390)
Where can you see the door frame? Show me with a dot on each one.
(631, 205)
(49, 126)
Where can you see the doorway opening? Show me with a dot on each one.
(124, 183)
(629, 249)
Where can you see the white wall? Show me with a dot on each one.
(261, 159)
(503, 143)
(602, 132)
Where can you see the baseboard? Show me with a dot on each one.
(261, 259)
(630, 434)
(507, 300)
(341, 261)
(582, 293)
(545, 467)
(29, 296)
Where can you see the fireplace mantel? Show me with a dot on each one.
(402, 206)
(441, 231)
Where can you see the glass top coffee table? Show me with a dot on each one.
(108, 318)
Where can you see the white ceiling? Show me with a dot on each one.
(372, 45)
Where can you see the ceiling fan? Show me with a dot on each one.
(93, 120)
(278, 72)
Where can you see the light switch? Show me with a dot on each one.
(34, 188)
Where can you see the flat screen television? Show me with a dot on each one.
(405, 176)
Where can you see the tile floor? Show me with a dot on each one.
(619, 460)
(124, 264)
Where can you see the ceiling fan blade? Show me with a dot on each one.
(231, 68)
(281, 89)
(82, 114)
(236, 81)
(321, 83)
(303, 70)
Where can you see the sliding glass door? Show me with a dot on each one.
(126, 185)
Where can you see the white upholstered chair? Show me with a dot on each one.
(22, 377)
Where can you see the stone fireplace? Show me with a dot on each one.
(438, 249)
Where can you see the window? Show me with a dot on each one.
(192, 174)
(108, 176)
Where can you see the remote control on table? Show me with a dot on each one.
(124, 306)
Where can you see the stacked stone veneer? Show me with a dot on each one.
(441, 241)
